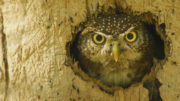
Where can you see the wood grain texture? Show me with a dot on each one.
(3, 87)
(37, 32)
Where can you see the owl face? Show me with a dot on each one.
(115, 49)
(98, 41)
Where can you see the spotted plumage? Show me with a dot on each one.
(116, 49)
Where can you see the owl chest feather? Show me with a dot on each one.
(112, 73)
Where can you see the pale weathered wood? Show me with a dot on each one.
(3, 86)
(37, 32)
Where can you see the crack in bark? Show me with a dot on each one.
(153, 88)
(4, 54)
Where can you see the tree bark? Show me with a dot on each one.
(33, 38)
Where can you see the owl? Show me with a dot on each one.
(116, 49)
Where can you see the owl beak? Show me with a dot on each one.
(115, 51)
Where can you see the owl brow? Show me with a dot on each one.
(88, 29)
(100, 33)
(127, 31)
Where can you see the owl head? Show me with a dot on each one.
(116, 49)
(115, 37)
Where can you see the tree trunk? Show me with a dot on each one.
(33, 38)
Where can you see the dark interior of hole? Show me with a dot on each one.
(74, 51)
(160, 54)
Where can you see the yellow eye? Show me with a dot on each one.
(130, 37)
(98, 39)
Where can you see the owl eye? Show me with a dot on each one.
(130, 37)
(98, 39)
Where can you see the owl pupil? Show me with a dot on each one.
(130, 36)
(99, 38)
